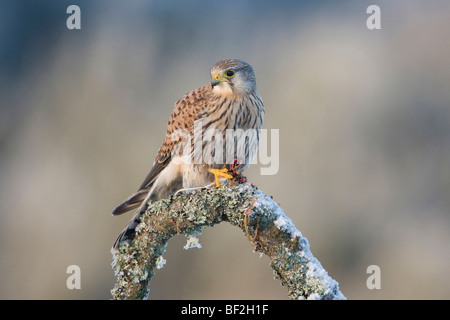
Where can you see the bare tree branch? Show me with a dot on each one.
(244, 206)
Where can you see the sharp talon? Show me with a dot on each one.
(220, 173)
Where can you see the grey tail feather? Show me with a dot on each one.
(130, 230)
(139, 200)
(132, 202)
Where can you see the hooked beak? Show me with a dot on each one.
(216, 80)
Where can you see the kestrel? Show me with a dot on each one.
(211, 129)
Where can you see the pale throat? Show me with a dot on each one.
(225, 90)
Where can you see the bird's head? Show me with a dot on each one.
(232, 77)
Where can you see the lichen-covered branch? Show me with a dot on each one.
(244, 206)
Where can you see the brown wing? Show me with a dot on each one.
(182, 117)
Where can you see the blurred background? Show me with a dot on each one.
(364, 120)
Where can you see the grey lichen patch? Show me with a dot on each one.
(256, 214)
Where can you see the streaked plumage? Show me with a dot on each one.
(230, 101)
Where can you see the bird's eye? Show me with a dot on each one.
(229, 73)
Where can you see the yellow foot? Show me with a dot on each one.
(220, 173)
